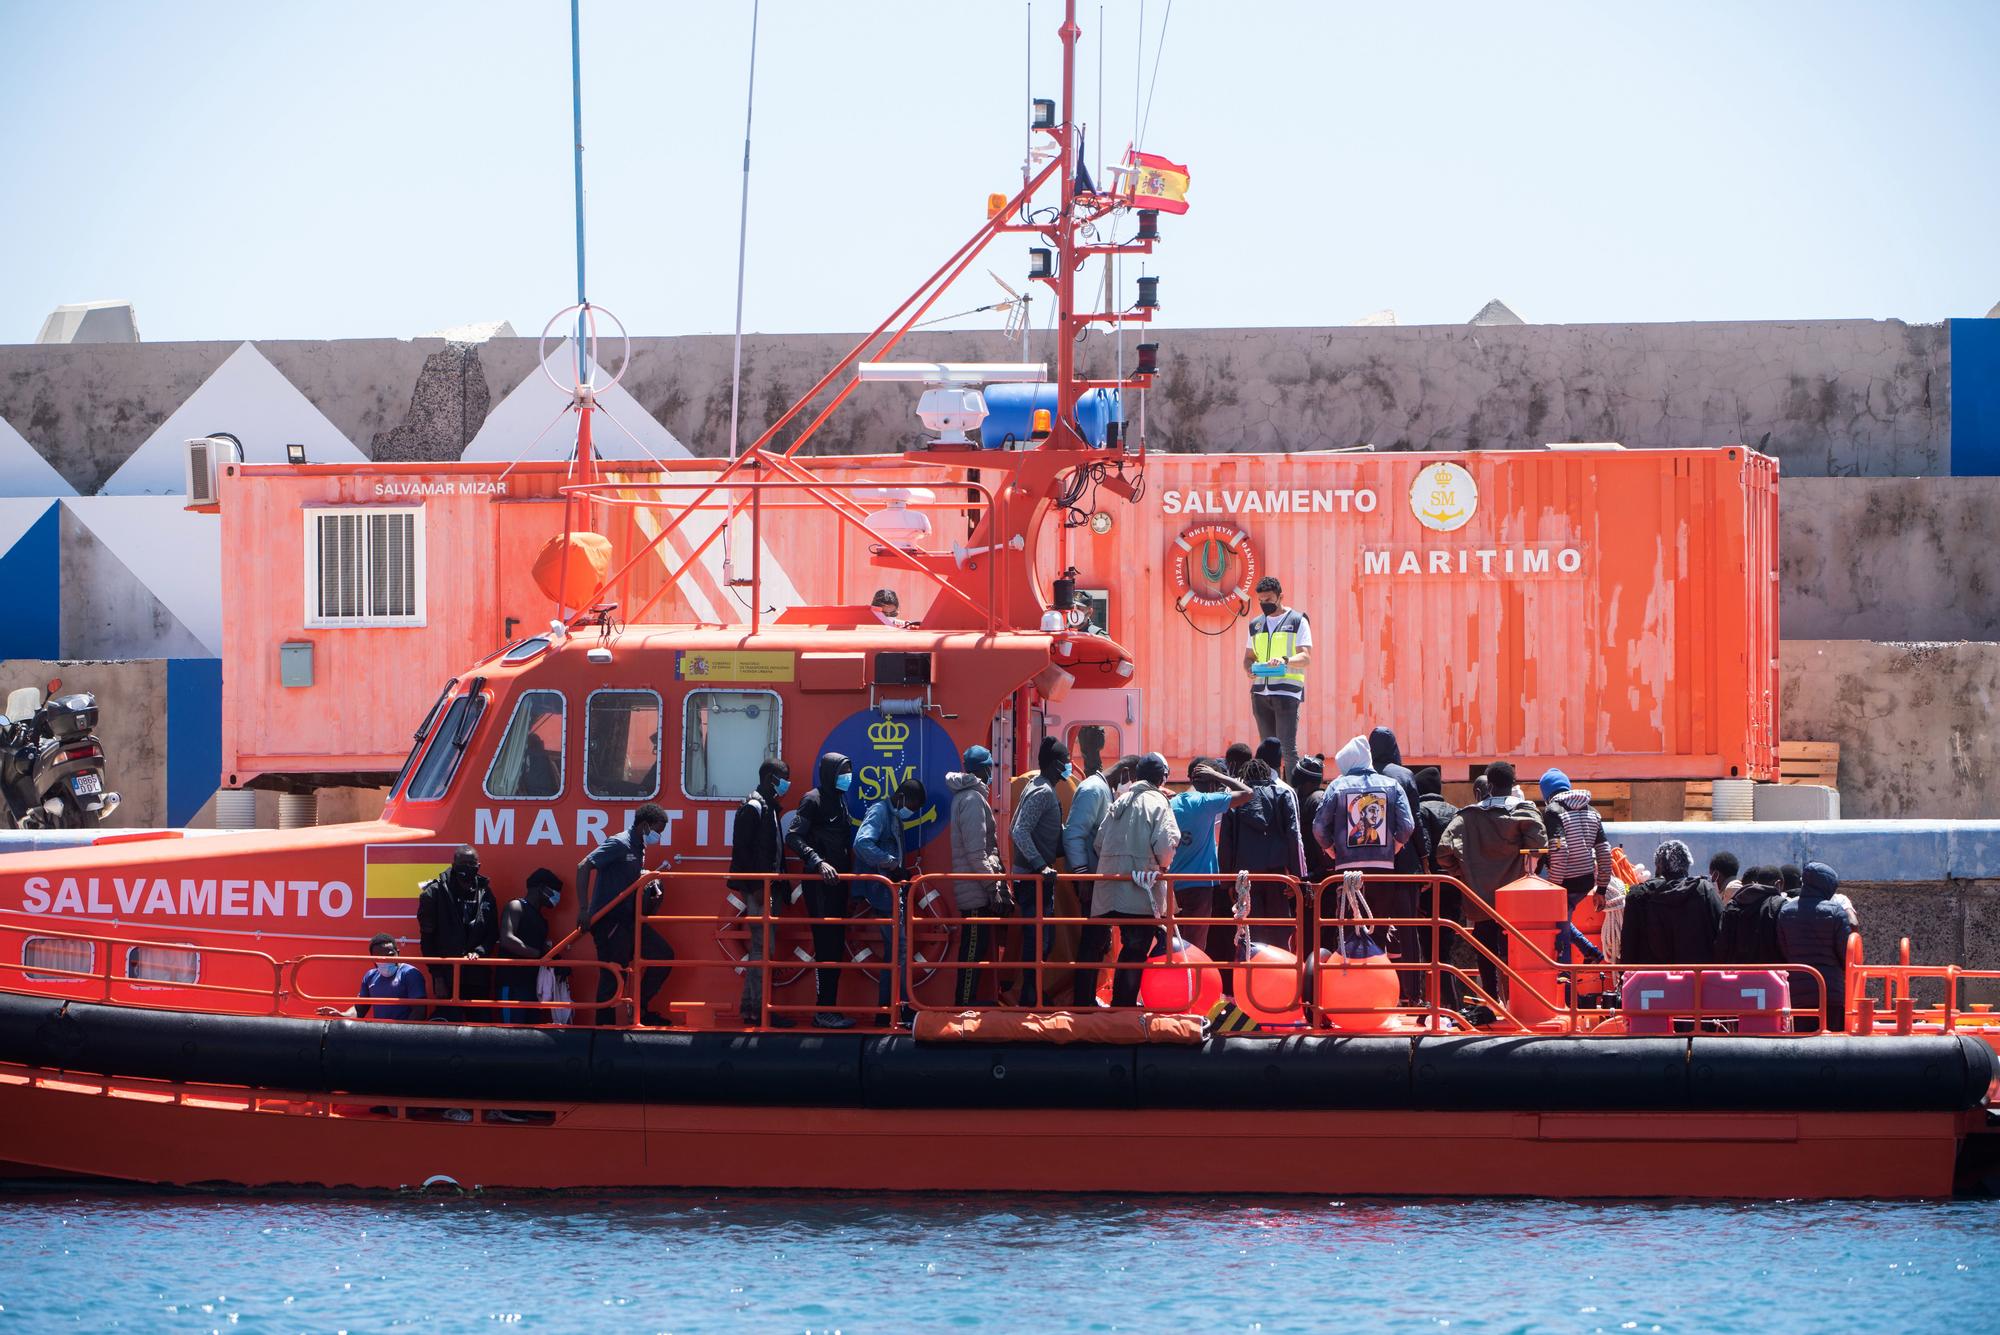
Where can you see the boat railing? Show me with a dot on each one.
(109, 977)
(918, 917)
(308, 985)
(1881, 998)
(917, 924)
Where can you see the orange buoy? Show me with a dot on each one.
(1270, 994)
(569, 568)
(1341, 983)
(1181, 991)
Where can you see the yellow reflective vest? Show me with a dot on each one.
(1272, 638)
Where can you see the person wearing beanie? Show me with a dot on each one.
(1673, 918)
(1309, 782)
(980, 891)
(1813, 931)
(1272, 752)
(1581, 862)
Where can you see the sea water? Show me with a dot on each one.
(706, 1262)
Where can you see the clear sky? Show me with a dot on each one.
(367, 169)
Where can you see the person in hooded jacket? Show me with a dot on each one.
(980, 890)
(1748, 929)
(1813, 931)
(757, 852)
(1135, 844)
(1671, 919)
(1265, 839)
(879, 851)
(822, 838)
(1364, 824)
(457, 919)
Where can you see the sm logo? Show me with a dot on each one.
(886, 749)
(1444, 497)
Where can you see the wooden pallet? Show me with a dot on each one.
(1809, 762)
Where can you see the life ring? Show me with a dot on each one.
(1223, 550)
(789, 939)
(930, 936)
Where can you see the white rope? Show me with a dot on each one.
(1241, 910)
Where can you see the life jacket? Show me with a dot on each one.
(1272, 638)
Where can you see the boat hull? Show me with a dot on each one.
(214, 1137)
(192, 1099)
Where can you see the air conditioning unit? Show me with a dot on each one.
(205, 458)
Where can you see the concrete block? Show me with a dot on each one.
(1928, 914)
(1796, 802)
(1753, 843)
(1871, 850)
(1974, 850)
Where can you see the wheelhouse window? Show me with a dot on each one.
(164, 964)
(529, 763)
(57, 952)
(621, 745)
(1096, 745)
(725, 736)
(365, 566)
(447, 748)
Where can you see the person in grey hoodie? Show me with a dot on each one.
(1037, 838)
(975, 858)
(1135, 843)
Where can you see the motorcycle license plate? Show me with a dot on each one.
(82, 784)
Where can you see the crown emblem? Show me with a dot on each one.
(888, 735)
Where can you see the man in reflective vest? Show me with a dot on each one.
(1280, 645)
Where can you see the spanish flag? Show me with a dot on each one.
(1152, 182)
(394, 874)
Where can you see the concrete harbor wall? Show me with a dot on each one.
(1888, 434)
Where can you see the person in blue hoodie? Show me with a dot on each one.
(1363, 823)
(878, 851)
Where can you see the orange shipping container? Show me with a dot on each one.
(1610, 611)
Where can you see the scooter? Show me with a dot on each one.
(51, 763)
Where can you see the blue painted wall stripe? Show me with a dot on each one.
(31, 590)
(1975, 398)
(194, 735)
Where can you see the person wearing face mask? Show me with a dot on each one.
(387, 977)
(756, 852)
(456, 919)
(524, 935)
(886, 606)
(1135, 844)
(601, 878)
(822, 838)
(878, 851)
(1038, 848)
(1280, 646)
(975, 855)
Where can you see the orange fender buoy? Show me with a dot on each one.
(1270, 994)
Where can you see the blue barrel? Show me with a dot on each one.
(1010, 413)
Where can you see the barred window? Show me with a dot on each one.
(365, 567)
